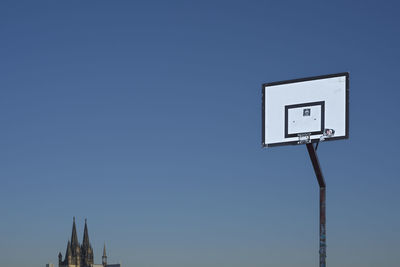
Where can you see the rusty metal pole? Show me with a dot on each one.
(322, 206)
(322, 228)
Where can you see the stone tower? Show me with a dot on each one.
(104, 258)
(77, 255)
(86, 249)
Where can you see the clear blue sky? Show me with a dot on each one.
(145, 118)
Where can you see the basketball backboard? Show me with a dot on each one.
(305, 110)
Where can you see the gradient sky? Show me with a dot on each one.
(145, 118)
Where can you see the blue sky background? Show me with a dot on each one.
(145, 118)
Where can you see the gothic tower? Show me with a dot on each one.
(86, 249)
(75, 247)
(77, 255)
(104, 258)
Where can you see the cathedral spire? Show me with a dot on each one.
(86, 249)
(104, 258)
(74, 237)
(85, 242)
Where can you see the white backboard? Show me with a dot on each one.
(305, 110)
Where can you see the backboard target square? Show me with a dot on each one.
(310, 107)
(304, 118)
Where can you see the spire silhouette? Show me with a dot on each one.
(85, 242)
(104, 258)
(80, 255)
(86, 249)
(74, 237)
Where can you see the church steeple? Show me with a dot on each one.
(86, 249)
(74, 237)
(80, 255)
(85, 242)
(104, 258)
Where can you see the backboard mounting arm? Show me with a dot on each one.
(316, 146)
(315, 163)
(322, 207)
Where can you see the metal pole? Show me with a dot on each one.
(322, 206)
(322, 228)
